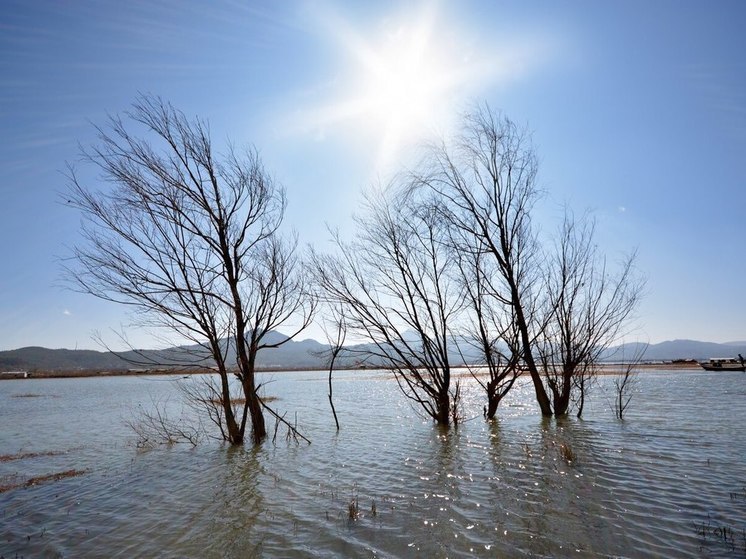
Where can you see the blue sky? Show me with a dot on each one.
(638, 113)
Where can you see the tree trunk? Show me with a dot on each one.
(253, 405)
(331, 402)
(492, 402)
(444, 409)
(492, 399)
(562, 398)
(581, 398)
(235, 433)
(258, 427)
(541, 393)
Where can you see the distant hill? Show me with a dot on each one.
(307, 354)
(678, 349)
(29, 358)
(292, 354)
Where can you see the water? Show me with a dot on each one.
(668, 481)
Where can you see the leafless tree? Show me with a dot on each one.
(625, 383)
(488, 326)
(191, 242)
(156, 426)
(394, 282)
(487, 183)
(335, 329)
(588, 307)
(553, 315)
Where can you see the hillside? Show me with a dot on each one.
(303, 354)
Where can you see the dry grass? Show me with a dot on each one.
(353, 509)
(54, 477)
(567, 453)
(242, 401)
(25, 455)
(38, 480)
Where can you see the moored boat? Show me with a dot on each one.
(724, 364)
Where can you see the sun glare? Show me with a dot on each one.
(397, 80)
(402, 85)
(404, 78)
(401, 82)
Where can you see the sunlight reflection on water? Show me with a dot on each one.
(667, 481)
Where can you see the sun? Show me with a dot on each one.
(403, 79)
(397, 80)
(402, 82)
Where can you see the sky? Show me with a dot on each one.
(637, 111)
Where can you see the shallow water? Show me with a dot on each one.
(668, 481)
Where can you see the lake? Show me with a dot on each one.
(669, 480)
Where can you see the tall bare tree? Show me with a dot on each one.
(191, 241)
(487, 182)
(394, 283)
(553, 315)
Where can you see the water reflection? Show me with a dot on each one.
(233, 529)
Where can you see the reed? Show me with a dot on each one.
(567, 453)
(25, 455)
(38, 480)
(353, 509)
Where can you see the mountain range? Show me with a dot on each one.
(306, 354)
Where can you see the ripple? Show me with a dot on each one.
(665, 482)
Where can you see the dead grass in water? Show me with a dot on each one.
(25, 455)
(242, 401)
(38, 480)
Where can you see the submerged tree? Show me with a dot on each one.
(335, 329)
(394, 283)
(487, 184)
(626, 382)
(587, 306)
(190, 240)
(551, 316)
(487, 326)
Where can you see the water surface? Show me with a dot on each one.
(670, 480)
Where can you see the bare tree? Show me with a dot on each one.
(554, 316)
(488, 326)
(625, 383)
(156, 426)
(588, 307)
(487, 184)
(395, 285)
(191, 242)
(335, 329)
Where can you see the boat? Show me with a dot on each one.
(724, 364)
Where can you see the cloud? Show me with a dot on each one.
(67, 312)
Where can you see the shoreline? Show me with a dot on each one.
(605, 369)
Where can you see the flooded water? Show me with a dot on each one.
(668, 481)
